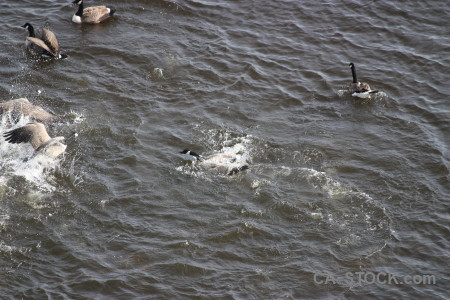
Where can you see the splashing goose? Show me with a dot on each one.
(222, 163)
(22, 106)
(46, 45)
(358, 89)
(36, 134)
(91, 15)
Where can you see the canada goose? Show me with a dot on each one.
(91, 15)
(222, 163)
(358, 89)
(45, 45)
(22, 106)
(36, 134)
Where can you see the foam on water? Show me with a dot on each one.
(362, 223)
(356, 220)
(344, 92)
(4, 220)
(75, 117)
(4, 248)
(165, 68)
(332, 187)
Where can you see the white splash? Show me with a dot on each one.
(16, 159)
(332, 187)
(237, 147)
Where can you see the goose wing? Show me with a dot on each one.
(34, 133)
(41, 44)
(95, 14)
(365, 87)
(37, 113)
(24, 107)
(50, 40)
(12, 105)
(220, 156)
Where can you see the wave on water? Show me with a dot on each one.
(165, 68)
(359, 224)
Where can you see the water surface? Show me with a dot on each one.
(335, 185)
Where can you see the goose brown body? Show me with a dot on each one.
(91, 15)
(36, 134)
(360, 87)
(44, 44)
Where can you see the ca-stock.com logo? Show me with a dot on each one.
(367, 277)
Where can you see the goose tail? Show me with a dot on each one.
(112, 10)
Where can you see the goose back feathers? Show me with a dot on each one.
(43, 44)
(91, 15)
(50, 40)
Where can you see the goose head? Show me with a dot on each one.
(30, 29)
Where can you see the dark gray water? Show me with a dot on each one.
(336, 185)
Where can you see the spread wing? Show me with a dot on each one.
(13, 105)
(95, 14)
(40, 44)
(40, 114)
(222, 157)
(36, 112)
(34, 133)
(50, 40)
(24, 107)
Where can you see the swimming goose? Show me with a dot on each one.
(222, 163)
(358, 89)
(46, 45)
(22, 106)
(91, 15)
(36, 134)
